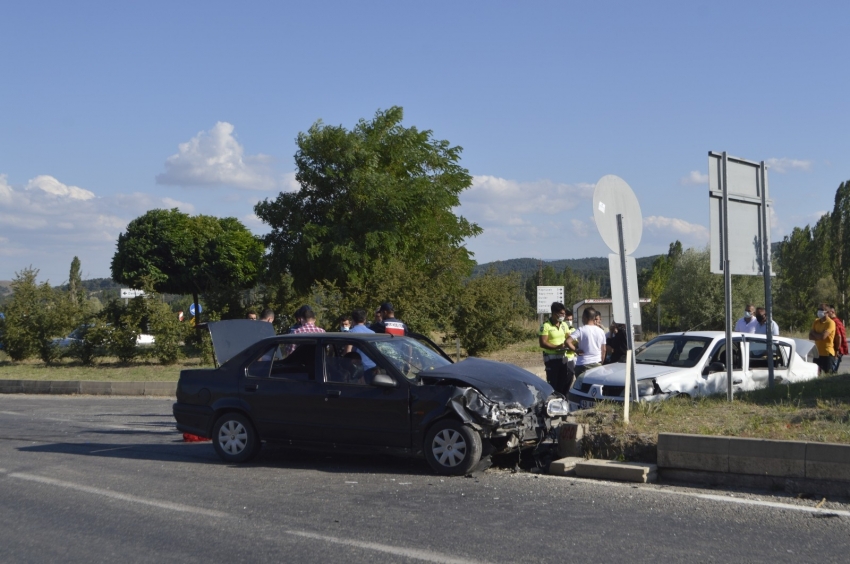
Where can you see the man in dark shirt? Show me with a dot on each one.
(390, 324)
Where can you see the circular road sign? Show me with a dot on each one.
(611, 197)
(200, 308)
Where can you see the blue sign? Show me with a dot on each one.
(192, 309)
(2, 315)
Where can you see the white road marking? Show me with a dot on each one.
(10, 413)
(119, 496)
(425, 555)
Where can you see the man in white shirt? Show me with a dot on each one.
(761, 323)
(748, 323)
(590, 341)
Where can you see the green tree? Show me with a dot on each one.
(839, 228)
(376, 197)
(652, 283)
(695, 296)
(489, 312)
(181, 254)
(76, 292)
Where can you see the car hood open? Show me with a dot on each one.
(615, 374)
(498, 381)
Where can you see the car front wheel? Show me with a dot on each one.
(234, 438)
(452, 448)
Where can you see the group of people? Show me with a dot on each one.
(755, 321)
(385, 321)
(568, 351)
(830, 338)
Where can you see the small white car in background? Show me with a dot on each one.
(142, 339)
(694, 364)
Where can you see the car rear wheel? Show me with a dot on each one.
(234, 438)
(452, 448)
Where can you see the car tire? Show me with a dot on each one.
(234, 438)
(452, 448)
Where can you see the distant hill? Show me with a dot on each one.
(528, 267)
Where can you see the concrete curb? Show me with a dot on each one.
(88, 387)
(795, 465)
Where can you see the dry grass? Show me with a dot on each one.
(818, 410)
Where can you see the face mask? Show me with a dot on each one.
(570, 321)
(560, 319)
(748, 314)
(820, 314)
(760, 319)
(344, 329)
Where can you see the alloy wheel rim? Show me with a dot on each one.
(233, 437)
(449, 447)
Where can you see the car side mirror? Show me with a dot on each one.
(714, 367)
(383, 381)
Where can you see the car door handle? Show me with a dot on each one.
(334, 393)
(251, 387)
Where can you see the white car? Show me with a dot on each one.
(694, 364)
(142, 339)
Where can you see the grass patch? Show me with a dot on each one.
(818, 410)
(107, 370)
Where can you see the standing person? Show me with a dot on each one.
(761, 323)
(299, 319)
(377, 320)
(344, 323)
(552, 337)
(823, 334)
(309, 322)
(571, 356)
(590, 341)
(747, 324)
(252, 315)
(267, 315)
(358, 316)
(617, 343)
(840, 341)
(390, 323)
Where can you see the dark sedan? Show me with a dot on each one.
(362, 392)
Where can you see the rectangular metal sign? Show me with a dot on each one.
(548, 294)
(617, 289)
(131, 293)
(744, 225)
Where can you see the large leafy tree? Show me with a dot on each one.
(377, 197)
(380, 190)
(840, 241)
(653, 282)
(182, 254)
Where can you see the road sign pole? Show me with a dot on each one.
(768, 297)
(727, 279)
(630, 342)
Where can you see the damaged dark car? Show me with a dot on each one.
(362, 392)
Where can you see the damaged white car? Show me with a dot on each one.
(694, 364)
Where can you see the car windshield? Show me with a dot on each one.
(681, 350)
(409, 356)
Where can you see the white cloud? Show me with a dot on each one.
(691, 232)
(785, 164)
(580, 228)
(694, 178)
(182, 206)
(215, 158)
(288, 183)
(498, 199)
(51, 186)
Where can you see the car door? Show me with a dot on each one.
(758, 359)
(284, 393)
(356, 412)
(715, 382)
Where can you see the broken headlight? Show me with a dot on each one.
(557, 407)
(646, 387)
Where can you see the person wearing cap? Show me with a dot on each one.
(389, 323)
(299, 319)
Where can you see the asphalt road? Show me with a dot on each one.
(90, 479)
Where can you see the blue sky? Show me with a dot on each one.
(109, 109)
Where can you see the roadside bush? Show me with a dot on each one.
(489, 313)
(167, 330)
(95, 334)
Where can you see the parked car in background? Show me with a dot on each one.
(76, 336)
(362, 392)
(694, 364)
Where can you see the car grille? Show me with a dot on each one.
(613, 391)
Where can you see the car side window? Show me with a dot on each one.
(349, 367)
(758, 355)
(719, 355)
(294, 361)
(260, 368)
